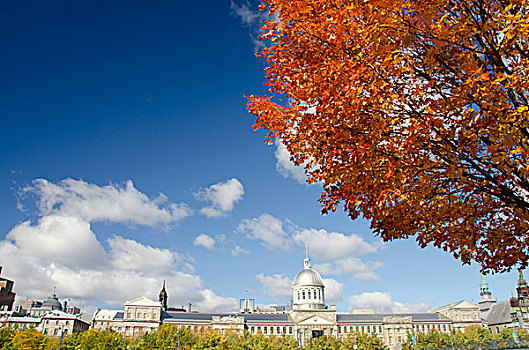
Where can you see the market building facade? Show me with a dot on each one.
(307, 317)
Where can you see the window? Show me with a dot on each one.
(303, 294)
(308, 295)
(265, 330)
(251, 329)
(284, 330)
(290, 330)
(298, 295)
(368, 329)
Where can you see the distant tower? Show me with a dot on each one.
(486, 300)
(163, 297)
(523, 287)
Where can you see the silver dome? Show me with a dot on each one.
(52, 303)
(308, 277)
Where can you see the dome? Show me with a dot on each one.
(309, 277)
(52, 303)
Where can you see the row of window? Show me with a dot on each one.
(52, 322)
(272, 329)
(310, 294)
(361, 329)
(426, 327)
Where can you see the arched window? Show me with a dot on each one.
(298, 295)
(309, 295)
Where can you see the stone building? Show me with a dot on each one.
(7, 297)
(309, 316)
(140, 316)
(55, 322)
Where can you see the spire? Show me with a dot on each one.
(306, 262)
(163, 297)
(521, 279)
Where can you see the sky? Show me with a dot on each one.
(127, 158)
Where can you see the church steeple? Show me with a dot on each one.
(523, 287)
(163, 297)
(486, 300)
(484, 289)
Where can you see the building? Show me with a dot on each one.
(511, 313)
(486, 300)
(308, 316)
(56, 322)
(140, 316)
(7, 297)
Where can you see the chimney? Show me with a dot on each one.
(189, 307)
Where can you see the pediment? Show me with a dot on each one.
(465, 305)
(315, 320)
(143, 301)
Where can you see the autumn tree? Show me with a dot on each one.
(413, 114)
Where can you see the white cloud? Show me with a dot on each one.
(284, 165)
(383, 303)
(361, 270)
(277, 286)
(114, 203)
(247, 16)
(222, 197)
(238, 250)
(330, 246)
(66, 239)
(36, 276)
(211, 302)
(267, 229)
(61, 251)
(333, 290)
(204, 241)
(128, 254)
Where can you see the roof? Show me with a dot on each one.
(186, 316)
(267, 317)
(52, 303)
(24, 319)
(416, 317)
(499, 313)
(61, 315)
(194, 316)
(309, 277)
(106, 315)
(462, 304)
(143, 301)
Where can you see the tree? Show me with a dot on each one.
(414, 114)
(28, 339)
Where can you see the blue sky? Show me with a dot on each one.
(128, 158)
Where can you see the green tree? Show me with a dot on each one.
(6, 335)
(28, 339)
